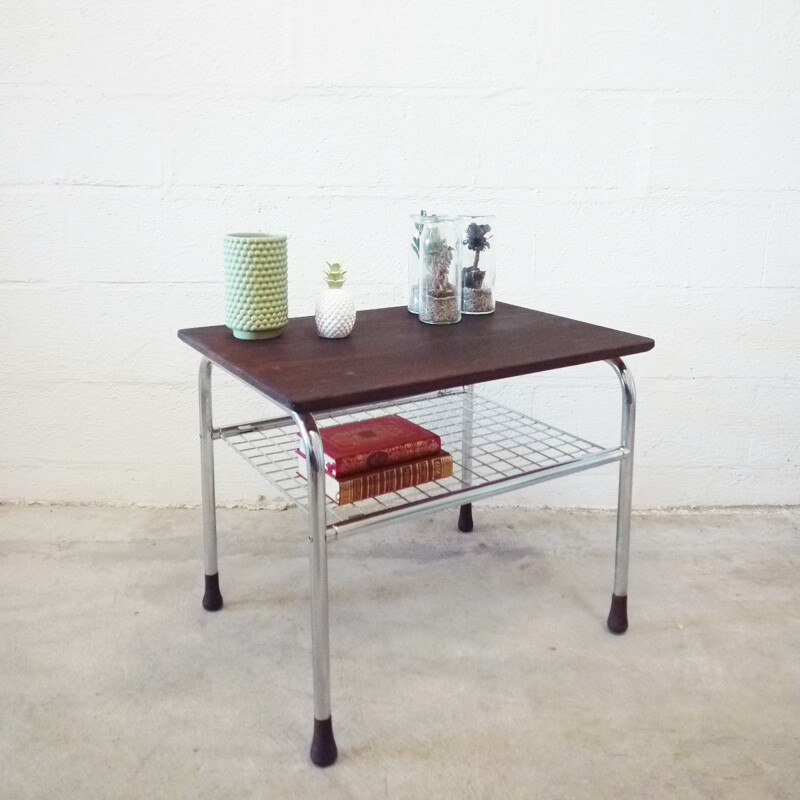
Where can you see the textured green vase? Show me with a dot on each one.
(256, 285)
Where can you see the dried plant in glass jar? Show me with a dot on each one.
(477, 296)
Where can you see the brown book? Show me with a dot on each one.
(353, 488)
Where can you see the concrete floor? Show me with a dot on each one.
(463, 666)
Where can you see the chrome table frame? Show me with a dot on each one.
(323, 747)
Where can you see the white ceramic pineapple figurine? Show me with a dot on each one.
(336, 313)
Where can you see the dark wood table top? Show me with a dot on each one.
(390, 354)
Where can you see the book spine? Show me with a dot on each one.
(397, 454)
(400, 476)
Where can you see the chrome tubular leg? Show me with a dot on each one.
(212, 599)
(323, 745)
(467, 414)
(618, 615)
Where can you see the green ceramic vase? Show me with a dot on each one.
(256, 285)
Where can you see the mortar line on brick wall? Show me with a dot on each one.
(535, 246)
(172, 383)
(165, 154)
(64, 284)
(545, 194)
(71, 184)
(507, 192)
(765, 254)
(287, 50)
(96, 90)
(751, 432)
(479, 152)
(649, 146)
(57, 283)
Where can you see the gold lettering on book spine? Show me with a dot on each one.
(402, 476)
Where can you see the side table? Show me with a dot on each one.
(393, 364)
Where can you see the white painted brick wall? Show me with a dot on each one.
(643, 160)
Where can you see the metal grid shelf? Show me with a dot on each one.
(494, 449)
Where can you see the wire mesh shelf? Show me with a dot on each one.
(490, 444)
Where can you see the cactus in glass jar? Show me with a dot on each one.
(440, 292)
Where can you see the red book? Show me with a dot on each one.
(372, 443)
(353, 488)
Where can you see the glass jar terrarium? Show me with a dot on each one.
(478, 272)
(440, 270)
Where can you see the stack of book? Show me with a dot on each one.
(376, 456)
